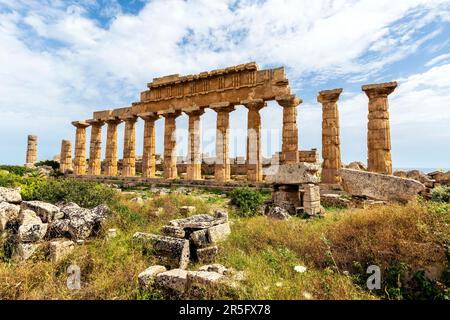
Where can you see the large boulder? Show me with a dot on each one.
(172, 252)
(298, 173)
(10, 195)
(46, 211)
(8, 212)
(379, 186)
(32, 229)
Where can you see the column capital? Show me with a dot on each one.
(329, 95)
(80, 124)
(171, 114)
(129, 119)
(379, 89)
(288, 101)
(255, 104)
(95, 122)
(194, 111)
(148, 116)
(113, 120)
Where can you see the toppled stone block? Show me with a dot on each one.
(59, 249)
(24, 251)
(205, 278)
(221, 214)
(200, 238)
(147, 277)
(297, 173)
(416, 175)
(207, 255)
(187, 210)
(201, 221)
(215, 267)
(277, 213)
(173, 252)
(287, 197)
(219, 232)
(172, 231)
(357, 165)
(8, 213)
(334, 200)
(10, 195)
(174, 280)
(32, 229)
(378, 186)
(46, 211)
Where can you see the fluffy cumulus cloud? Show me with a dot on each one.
(61, 60)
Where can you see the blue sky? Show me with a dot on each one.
(62, 60)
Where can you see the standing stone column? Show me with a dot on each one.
(65, 157)
(222, 171)
(289, 149)
(95, 150)
(80, 147)
(379, 133)
(129, 148)
(254, 152)
(170, 146)
(148, 153)
(331, 151)
(194, 158)
(31, 151)
(111, 147)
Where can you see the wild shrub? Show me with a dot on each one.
(50, 163)
(17, 170)
(440, 194)
(248, 201)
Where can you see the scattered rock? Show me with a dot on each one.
(8, 212)
(10, 195)
(137, 200)
(219, 232)
(112, 233)
(32, 229)
(173, 252)
(200, 221)
(24, 251)
(46, 211)
(357, 165)
(416, 175)
(147, 277)
(187, 210)
(300, 269)
(334, 200)
(175, 280)
(59, 249)
(221, 214)
(298, 173)
(208, 279)
(172, 231)
(200, 238)
(378, 186)
(214, 268)
(207, 255)
(278, 213)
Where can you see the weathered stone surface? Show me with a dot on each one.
(357, 165)
(200, 221)
(46, 211)
(286, 197)
(31, 150)
(219, 232)
(8, 212)
(186, 210)
(334, 200)
(311, 199)
(147, 277)
(24, 251)
(440, 177)
(200, 238)
(175, 280)
(172, 231)
(297, 173)
(416, 175)
(221, 214)
(32, 229)
(59, 249)
(379, 186)
(10, 195)
(215, 267)
(278, 213)
(204, 278)
(207, 255)
(173, 252)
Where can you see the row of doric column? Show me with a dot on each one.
(378, 133)
(222, 165)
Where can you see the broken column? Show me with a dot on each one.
(148, 153)
(311, 199)
(194, 158)
(170, 146)
(331, 152)
(289, 149)
(111, 147)
(379, 135)
(65, 157)
(95, 149)
(31, 151)
(129, 148)
(222, 170)
(254, 152)
(79, 167)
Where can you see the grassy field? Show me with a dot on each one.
(408, 242)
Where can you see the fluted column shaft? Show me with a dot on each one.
(95, 150)
(289, 149)
(254, 152)
(65, 157)
(80, 148)
(194, 158)
(111, 148)
(31, 150)
(170, 146)
(129, 148)
(149, 150)
(222, 171)
(379, 133)
(331, 151)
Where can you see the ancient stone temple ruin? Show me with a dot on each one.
(31, 151)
